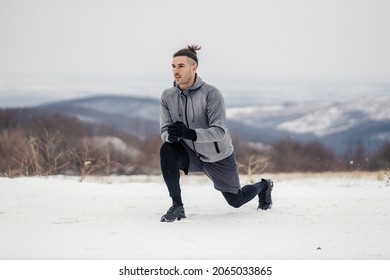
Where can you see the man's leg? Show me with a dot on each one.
(173, 157)
(245, 194)
(262, 189)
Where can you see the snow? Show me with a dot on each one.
(321, 123)
(315, 216)
(256, 114)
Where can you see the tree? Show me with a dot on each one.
(256, 165)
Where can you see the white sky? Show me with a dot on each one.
(244, 40)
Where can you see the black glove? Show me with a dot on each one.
(179, 129)
(172, 139)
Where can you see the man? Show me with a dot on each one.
(193, 128)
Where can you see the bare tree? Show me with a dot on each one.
(44, 154)
(88, 159)
(256, 165)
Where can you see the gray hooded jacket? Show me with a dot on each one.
(200, 107)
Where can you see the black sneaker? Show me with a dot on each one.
(175, 212)
(265, 199)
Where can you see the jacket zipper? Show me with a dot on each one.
(186, 118)
(185, 110)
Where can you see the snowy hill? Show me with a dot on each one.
(337, 125)
(135, 115)
(363, 121)
(341, 117)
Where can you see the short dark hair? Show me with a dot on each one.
(190, 52)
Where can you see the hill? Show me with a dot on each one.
(338, 125)
(134, 115)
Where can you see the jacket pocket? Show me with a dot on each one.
(216, 147)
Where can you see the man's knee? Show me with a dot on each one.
(233, 199)
(167, 149)
(235, 203)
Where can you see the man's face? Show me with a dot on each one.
(184, 70)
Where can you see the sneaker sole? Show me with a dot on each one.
(268, 191)
(165, 220)
(170, 221)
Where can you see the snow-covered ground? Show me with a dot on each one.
(317, 216)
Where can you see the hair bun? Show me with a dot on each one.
(190, 51)
(194, 48)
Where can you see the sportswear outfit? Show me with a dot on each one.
(205, 146)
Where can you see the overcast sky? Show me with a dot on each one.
(242, 40)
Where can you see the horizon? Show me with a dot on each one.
(32, 92)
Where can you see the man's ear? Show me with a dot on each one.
(195, 67)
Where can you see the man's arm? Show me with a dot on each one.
(216, 113)
(165, 121)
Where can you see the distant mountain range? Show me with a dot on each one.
(339, 126)
(134, 115)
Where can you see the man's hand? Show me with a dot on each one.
(179, 129)
(172, 139)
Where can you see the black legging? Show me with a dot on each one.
(174, 157)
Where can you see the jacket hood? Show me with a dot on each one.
(198, 83)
